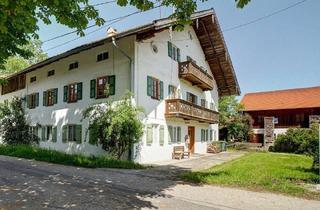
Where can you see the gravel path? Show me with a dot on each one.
(26, 184)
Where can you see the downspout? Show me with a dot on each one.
(132, 75)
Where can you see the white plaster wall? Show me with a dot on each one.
(161, 66)
(71, 113)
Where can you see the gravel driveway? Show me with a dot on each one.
(26, 184)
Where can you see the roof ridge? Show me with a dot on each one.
(282, 90)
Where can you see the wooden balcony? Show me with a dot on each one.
(189, 71)
(178, 108)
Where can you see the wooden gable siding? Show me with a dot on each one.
(216, 54)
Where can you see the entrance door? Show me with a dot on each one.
(191, 136)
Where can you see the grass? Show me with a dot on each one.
(36, 153)
(274, 172)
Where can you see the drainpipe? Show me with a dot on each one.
(131, 65)
(131, 83)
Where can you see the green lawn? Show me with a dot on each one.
(275, 172)
(52, 156)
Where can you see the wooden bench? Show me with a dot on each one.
(179, 153)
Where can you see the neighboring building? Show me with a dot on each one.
(293, 108)
(176, 76)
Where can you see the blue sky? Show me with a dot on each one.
(280, 52)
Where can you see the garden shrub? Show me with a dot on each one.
(299, 141)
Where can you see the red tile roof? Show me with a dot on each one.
(282, 99)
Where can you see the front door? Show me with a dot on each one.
(191, 136)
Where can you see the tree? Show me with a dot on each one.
(17, 63)
(13, 124)
(18, 19)
(232, 123)
(114, 125)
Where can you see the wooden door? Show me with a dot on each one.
(191, 136)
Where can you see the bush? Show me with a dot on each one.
(299, 141)
(13, 124)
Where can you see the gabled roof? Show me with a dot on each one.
(207, 28)
(282, 99)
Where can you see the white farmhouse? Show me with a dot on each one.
(176, 76)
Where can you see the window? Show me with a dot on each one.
(74, 65)
(149, 139)
(34, 131)
(154, 88)
(204, 135)
(33, 79)
(51, 73)
(161, 135)
(50, 97)
(98, 86)
(174, 134)
(49, 133)
(72, 92)
(32, 100)
(14, 84)
(172, 92)
(72, 133)
(192, 98)
(102, 56)
(174, 52)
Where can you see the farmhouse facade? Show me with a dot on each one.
(176, 76)
(281, 110)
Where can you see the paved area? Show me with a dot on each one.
(26, 184)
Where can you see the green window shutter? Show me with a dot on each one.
(170, 49)
(178, 55)
(65, 93)
(161, 135)
(149, 134)
(65, 133)
(78, 133)
(37, 99)
(178, 134)
(27, 101)
(43, 133)
(44, 98)
(149, 86)
(54, 134)
(55, 96)
(170, 136)
(93, 84)
(161, 90)
(207, 134)
(79, 91)
(211, 135)
(112, 85)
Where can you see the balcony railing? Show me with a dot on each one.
(189, 71)
(178, 108)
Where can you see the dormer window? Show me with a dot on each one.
(102, 56)
(74, 65)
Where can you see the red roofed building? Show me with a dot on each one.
(289, 108)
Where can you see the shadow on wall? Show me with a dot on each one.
(36, 185)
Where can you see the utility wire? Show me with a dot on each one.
(264, 17)
(112, 21)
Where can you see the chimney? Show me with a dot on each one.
(111, 32)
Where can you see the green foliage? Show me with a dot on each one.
(275, 172)
(36, 153)
(13, 125)
(232, 121)
(19, 19)
(17, 63)
(115, 125)
(299, 141)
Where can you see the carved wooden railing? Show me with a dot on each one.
(189, 71)
(184, 109)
